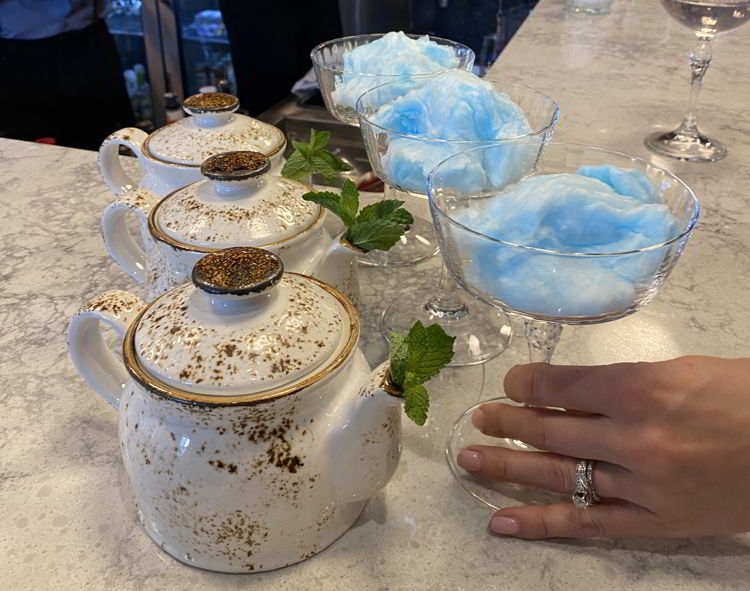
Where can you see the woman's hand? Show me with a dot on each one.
(670, 440)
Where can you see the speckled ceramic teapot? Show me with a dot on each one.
(172, 155)
(239, 203)
(251, 427)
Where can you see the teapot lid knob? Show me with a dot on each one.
(210, 102)
(238, 271)
(235, 166)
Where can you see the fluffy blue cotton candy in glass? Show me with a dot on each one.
(569, 213)
(394, 54)
(455, 105)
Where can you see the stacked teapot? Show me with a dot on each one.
(239, 202)
(251, 427)
(172, 155)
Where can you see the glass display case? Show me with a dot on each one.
(125, 22)
(171, 46)
(204, 47)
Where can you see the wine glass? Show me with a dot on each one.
(341, 88)
(403, 161)
(546, 287)
(706, 18)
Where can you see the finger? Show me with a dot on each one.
(569, 434)
(541, 470)
(597, 389)
(609, 520)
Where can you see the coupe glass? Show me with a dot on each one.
(706, 18)
(419, 242)
(546, 288)
(481, 331)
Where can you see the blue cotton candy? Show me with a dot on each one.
(455, 105)
(394, 54)
(600, 209)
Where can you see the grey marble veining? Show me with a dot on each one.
(67, 519)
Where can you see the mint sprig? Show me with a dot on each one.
(312, 157)
(415, 359)
(377, 227)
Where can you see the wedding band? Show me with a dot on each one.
(585, 495)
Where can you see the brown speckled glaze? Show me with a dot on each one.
(270, 210)
(235, 166)
(210, 102)
(192, 140)
(238, 271)
(258, 345)
(236, 489)
(244, 487)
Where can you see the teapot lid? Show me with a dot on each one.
(241, 332)
(213, 127)
(238, 204)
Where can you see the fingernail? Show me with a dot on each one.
(470, 460)
(504, 525)
(478, 419)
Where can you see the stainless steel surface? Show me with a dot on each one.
(171, 50)
(154, 62)
(295, 116)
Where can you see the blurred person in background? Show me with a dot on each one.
(61, 75)
(271, 43)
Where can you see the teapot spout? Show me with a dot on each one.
(364, 445)
(338, 267)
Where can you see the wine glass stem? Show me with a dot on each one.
(447, 303)
(700, 59)
(542, 338)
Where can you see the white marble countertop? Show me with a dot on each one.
(67, 519)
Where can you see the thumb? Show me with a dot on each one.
(610, 520)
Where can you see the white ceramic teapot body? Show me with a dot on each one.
(239, 482)
(171, 156)
(164, 260)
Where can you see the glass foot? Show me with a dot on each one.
(491, 493)
(418, 244)
(694, 148)
(482, 332)
(589, 6)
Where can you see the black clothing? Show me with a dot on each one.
(69, 86)
(271, 43)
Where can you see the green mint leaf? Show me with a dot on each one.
(398, 358)
(430, 349)
(303, 148)
(319, 139)
(379, 209)
(310, 157)
(332, 202)
(323, 167)
(416, 403)
(334, 161)
(387, 209)
(296, 167)
(350, 198)
(402, 216)
(375, 234)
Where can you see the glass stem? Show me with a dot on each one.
(700, 59)
(447, 303)
(542, 338)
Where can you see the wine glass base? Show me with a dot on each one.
(495, 495)
(482, 332)
(416, 245)
(674, 144)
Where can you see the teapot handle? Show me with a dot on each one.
(118, 241)
(90, 354)
(109, 162)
